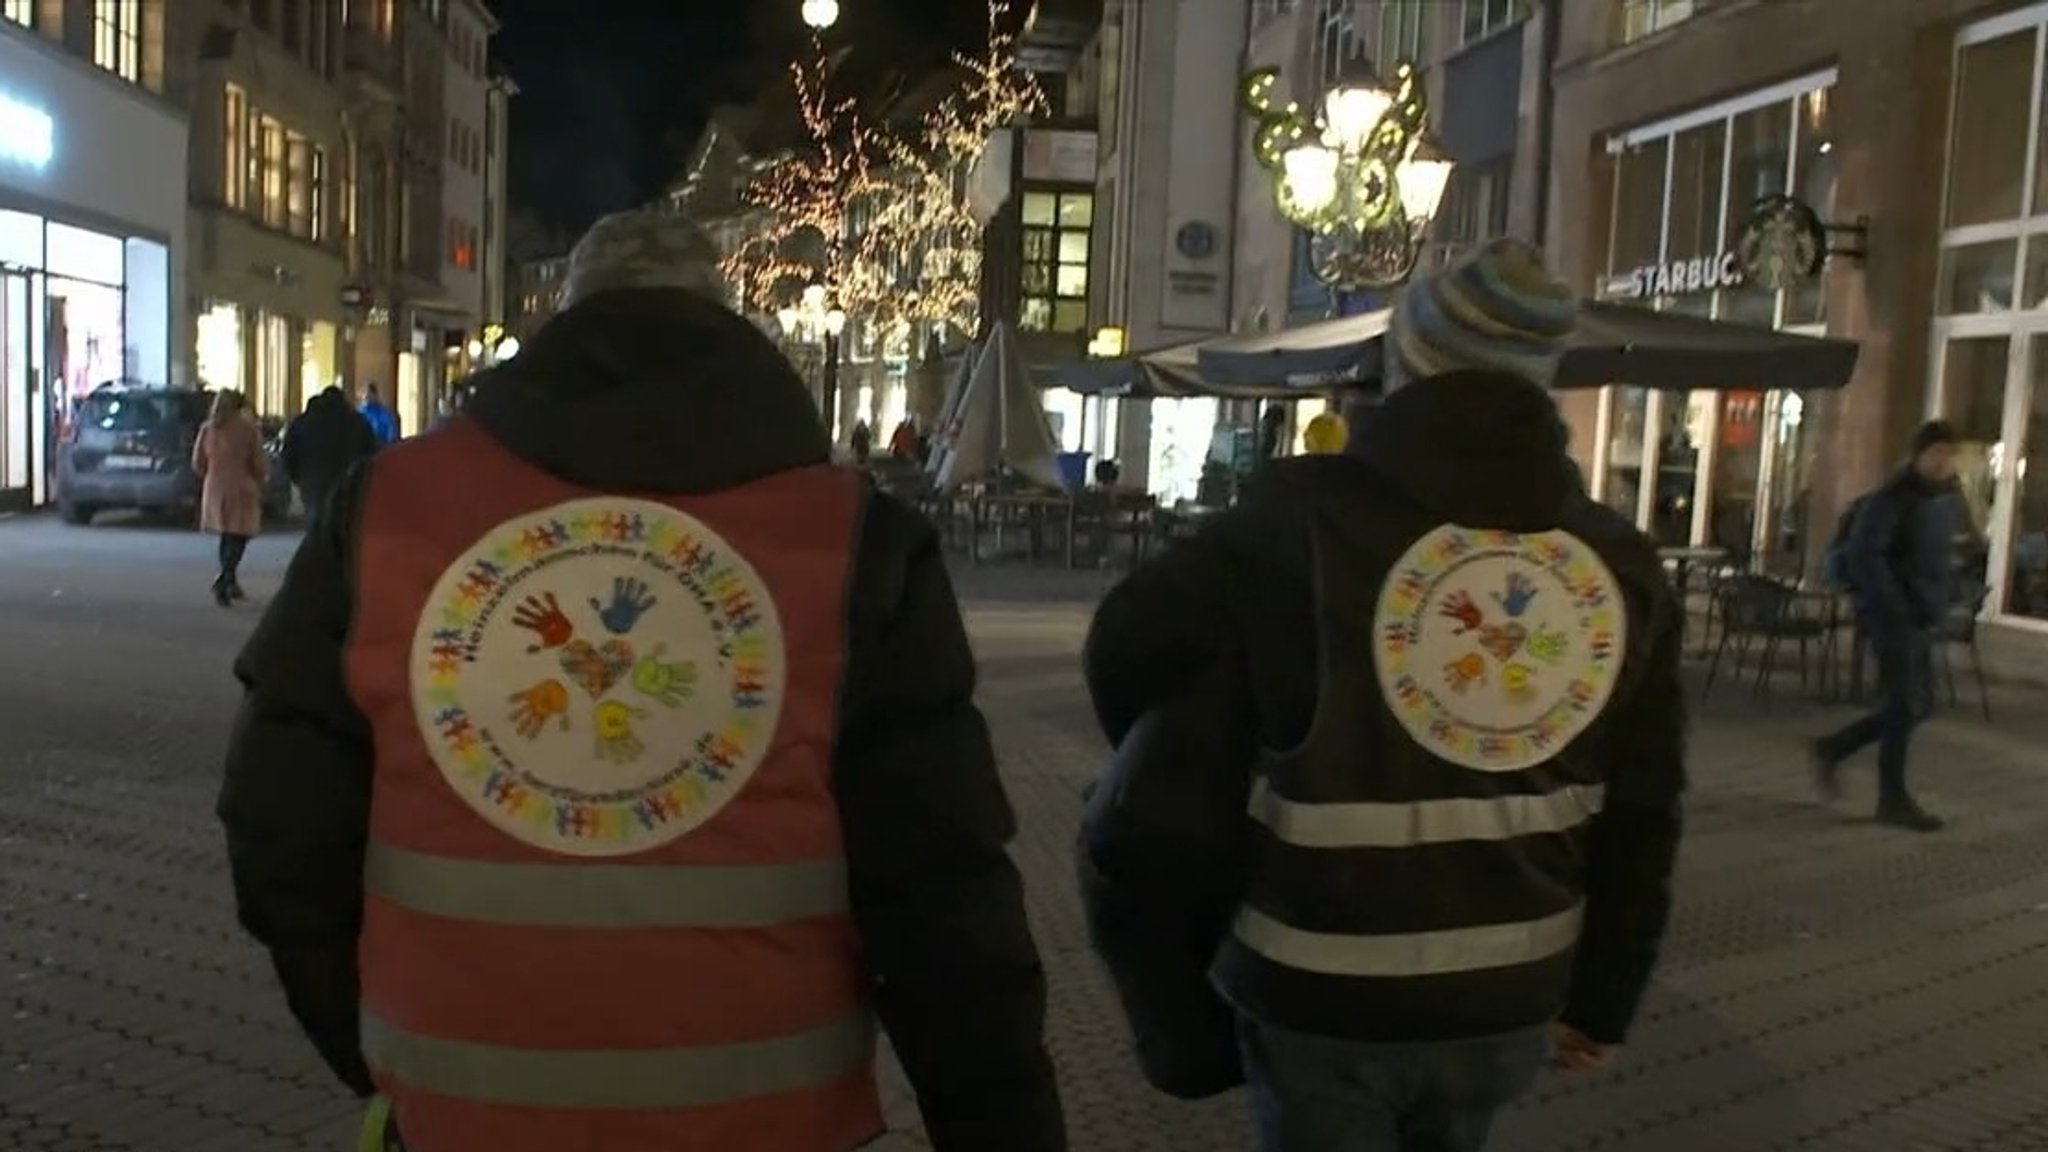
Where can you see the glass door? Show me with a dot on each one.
(17, 386)
(2019, 543)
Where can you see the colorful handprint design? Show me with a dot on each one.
(616, 740)
(1518, 681)
(1515, 598)
(667, 683)
(1503, 640)
(534, 707)
(542, 615)
(630, 601)
(596, 667)
(1548, 645)
(1461, 674)
(1459, 607)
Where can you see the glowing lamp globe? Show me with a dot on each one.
(821, 14)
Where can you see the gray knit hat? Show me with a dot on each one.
(640, 249)
(1496, 309)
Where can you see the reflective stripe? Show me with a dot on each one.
(664, 1078)
(1408, 954)
(1423, 822)
(606, 895)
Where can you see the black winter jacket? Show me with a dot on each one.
(1471, 449)
(659, 391)
(322, 445)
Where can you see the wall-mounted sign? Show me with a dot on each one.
(27, 135)
(1678, 277)
(1196, 240)
(1059, 155)
(1783, 243)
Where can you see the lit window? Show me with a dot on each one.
(117, 37)
(271, 160)
(22, 12)
(1055, 266)
(298, 184)
(1640, 18)
(234, 185)
(1483, 18)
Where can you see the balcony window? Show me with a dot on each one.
(234, 181)
(1479, 19)
(22, 12)
(1641, 18)
(1055, 267)
(117, 37)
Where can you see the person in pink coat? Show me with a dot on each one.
(229, 459)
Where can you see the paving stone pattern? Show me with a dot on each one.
(1828, 985)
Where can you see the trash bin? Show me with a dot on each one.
(1074, 470)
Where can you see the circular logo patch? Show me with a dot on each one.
(599, 678)
(1496, 649)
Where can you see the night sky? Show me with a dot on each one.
(609, 105)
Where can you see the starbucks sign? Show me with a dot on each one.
(1679, 277)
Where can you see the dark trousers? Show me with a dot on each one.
(231, 549)
(1905, 683)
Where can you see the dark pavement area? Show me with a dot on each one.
(1829, 985)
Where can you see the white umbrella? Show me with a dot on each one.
(999, 421)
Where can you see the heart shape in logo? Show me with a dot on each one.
(1503, 640)
(597, 667)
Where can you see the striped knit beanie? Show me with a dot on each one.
(1495, 309)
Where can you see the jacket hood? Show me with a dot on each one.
(651, 390)
(1480, 449)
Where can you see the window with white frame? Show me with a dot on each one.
(1990, 371)
(1405, 33)
(1641, 18)
(117, 37)
(1337, 40)
(22, 12)
(1482, 18)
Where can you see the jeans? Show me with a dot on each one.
(1905, 664)
(1320, 1094)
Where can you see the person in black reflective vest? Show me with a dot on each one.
(1464, 803)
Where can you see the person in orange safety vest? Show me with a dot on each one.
(608, 768)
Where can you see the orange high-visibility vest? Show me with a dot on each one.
(606, 894)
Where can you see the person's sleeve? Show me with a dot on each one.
(1166, 623)
(1871, 535)
(295, 799)
(202, 446)
(957, 980)
(1633, 843)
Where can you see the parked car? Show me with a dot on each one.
(130, 447)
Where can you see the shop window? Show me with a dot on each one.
(1815, 169)
(1987, 158)
(1976, 278)
(1973, 379)
(2026, 584)
(1759, 161)
(1697, 157)
(22, 12)
(234, 183)
(1482, 18)
(82, 254)
(1637, 236)
(1055, 266)
(1641, 18)
(117, 37)
(219, 348)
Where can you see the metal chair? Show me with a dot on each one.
(1755, 609)
(1959, 628)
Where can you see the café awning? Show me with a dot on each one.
(1178, 372)
(1613, 344)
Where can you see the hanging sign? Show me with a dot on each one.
(1679, 277)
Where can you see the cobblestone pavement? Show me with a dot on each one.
(1829, 985)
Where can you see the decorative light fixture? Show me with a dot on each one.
(507, 348)
(821, 14)
(1358, 175)
(813, 322)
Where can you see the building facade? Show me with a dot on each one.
(538, 287)
(92, 258)
(1910, 126)
(495, 264)
(466, 28)
(268, 217)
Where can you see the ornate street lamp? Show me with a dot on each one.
(821, 14)
(1358, 175)
(812, 322)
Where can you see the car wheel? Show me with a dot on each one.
(76, 513)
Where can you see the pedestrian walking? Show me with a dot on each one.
(1899, 560)
(228, 456)
(383, 421)
(609, 765)
(327, 439)
(1464, 781)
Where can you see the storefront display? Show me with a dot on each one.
(89, 256)
(1990, 337)
(1722, 468)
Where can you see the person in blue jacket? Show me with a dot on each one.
(383, 421)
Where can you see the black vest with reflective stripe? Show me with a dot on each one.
(1368, 914)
